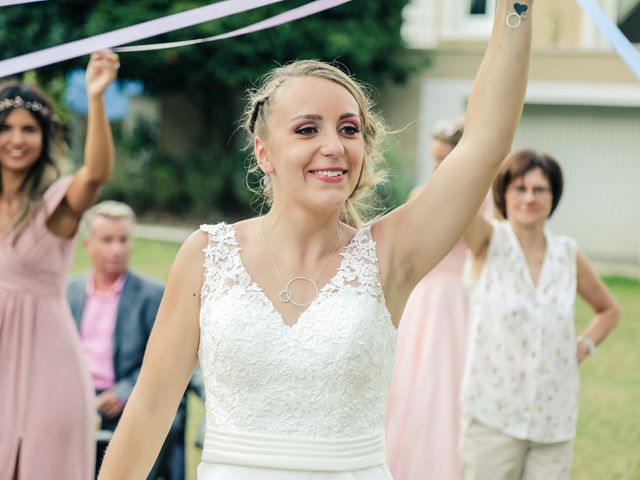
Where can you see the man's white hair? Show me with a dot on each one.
(109, 209)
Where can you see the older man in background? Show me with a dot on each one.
(114, 310)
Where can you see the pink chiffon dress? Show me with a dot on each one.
(47, 417)
(423, 414)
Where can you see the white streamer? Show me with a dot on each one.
(288, 16)
(128, 35)
(622, 45)
(8, 3)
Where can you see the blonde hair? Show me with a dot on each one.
(449, 131)
(109, 209)
(362, 201)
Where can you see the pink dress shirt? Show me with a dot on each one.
(96, 331)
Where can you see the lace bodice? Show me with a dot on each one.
(327, 376)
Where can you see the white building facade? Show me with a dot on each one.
(582, 107)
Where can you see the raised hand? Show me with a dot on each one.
(101, 71)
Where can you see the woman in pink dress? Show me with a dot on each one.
(422, 411)
(47, 412)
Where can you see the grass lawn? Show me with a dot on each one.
(150, 258)
(608, 440)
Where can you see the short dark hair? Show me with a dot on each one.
(517, 165)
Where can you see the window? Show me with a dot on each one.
(468, 19)
(478, 7)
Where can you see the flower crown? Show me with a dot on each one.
(18, 102)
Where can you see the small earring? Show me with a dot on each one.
(265, 181)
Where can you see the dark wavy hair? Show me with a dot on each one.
(45, 170)
(517, 165)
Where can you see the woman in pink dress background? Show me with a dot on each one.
(423, 415)
(47, 411)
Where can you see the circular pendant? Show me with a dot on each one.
(287, 297)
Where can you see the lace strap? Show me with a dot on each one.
(218, 256)
(363, 247)
(361, 266)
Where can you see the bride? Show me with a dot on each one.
(293, 315)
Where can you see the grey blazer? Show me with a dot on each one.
(137, 311)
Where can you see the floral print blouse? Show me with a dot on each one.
(521, 375)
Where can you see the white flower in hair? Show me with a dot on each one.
(18, 102)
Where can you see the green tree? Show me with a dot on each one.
(364, 35)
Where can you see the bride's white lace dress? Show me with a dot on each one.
(294, 402)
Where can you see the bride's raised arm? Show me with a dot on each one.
(413, 238)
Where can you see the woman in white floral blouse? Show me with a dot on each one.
(520, 389)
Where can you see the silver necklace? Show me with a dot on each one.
(285, 295)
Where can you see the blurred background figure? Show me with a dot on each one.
(422, 413)
(521, 384)
(47, 424)
(114, 310)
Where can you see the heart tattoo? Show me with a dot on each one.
(520, 8)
